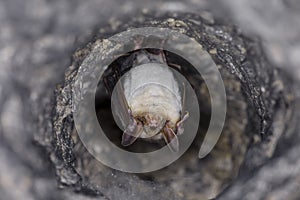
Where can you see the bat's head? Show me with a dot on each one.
(153, 123)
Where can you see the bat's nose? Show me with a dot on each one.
(153, 123)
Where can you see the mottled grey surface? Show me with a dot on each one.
(37, 38)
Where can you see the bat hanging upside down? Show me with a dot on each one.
(152, 99)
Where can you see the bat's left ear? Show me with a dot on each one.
(171, 138)
(132, 132)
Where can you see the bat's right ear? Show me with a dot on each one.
(170, 138)
(132, 132)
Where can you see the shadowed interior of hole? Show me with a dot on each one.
(122, 65)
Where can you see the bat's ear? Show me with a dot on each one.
(171, 139)
(132, 132)
(179, 125)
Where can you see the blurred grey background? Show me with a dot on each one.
(38, 37)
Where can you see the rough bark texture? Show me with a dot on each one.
(38, 144)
